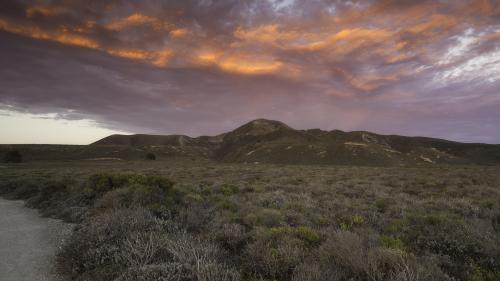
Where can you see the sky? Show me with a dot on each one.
(74, 71)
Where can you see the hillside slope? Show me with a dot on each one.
(268, 141)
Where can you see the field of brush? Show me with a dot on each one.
(203, 221)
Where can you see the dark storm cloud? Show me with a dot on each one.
(202, 67)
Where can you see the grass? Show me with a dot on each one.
(148, 220)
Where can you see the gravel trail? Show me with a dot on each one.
(28, 243)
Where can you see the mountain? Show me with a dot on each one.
(268, 141)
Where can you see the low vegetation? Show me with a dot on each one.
(164, 221)
(13, 156)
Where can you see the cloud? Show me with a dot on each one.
(200, 67)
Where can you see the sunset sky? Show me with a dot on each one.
(74, 71)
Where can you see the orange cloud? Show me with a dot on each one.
(129, 54)
(65, 36)
(281, 37)
(247, 65)
(207, 58)
(361, 34)
(179, 32)
(159, 58)
(342, 42)
(61, 36)
(137, 19)
(285, 47)
(265, 34)
(162, 57)
(436, 22)
(76, 40)
(371, 81)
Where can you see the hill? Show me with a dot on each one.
(268, 141)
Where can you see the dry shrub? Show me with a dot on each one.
(94, 250)
(231, 236)
(156, 272)
(346, 255)
(275, 262)
(176, 255)
(131, 244)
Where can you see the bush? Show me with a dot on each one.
(150, 156)
(449, 236)
(133, 245)
(355, 220)
(394, 243)
(277, 251)
(265, 217)
(232, 237)
(13, 156)
(104, 182)
(347, 255)
(94, 250)
(274, 260)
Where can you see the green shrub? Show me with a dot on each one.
(383, 204)
(264, 217)
(308, 235)
(346, 255)
(392, 243)
(274, 261)
(229, 189)
(447, 235)
(355, 220)
(151, 197)
(104, 182)
(226, 204)
(277, 251)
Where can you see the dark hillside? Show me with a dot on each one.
(268, 141)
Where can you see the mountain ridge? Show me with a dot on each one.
(270, 141)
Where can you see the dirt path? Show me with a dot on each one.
(28, 243)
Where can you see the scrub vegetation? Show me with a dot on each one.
(155, 220)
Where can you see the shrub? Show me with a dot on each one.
(154, 272)
(277, 251)
(229, 189)
(151, 197)
(50, 192)
(265, 217)
(19, 189)
(349, 256)
(131, 244)
(94, 250)
(232, 237)
(449, 236)
(355, 220)
(275, 260)
(13, 156)
(383, 204)
(307, 235)
(150, 156)
(311, 271)
(104, 182)
(226, 204)
(394, 243)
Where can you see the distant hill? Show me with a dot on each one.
(268, 141)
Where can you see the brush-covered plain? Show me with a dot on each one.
(160, 220)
